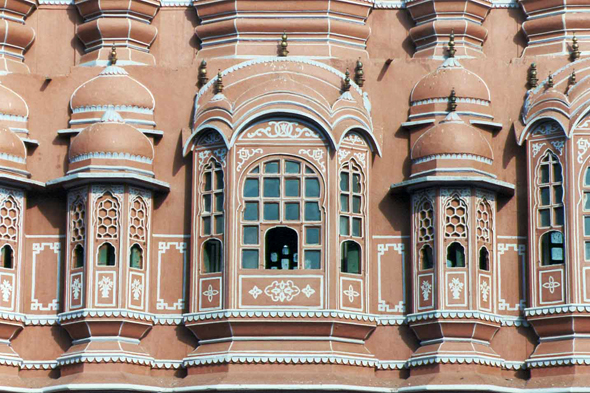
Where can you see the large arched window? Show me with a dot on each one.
(550, 192)
(282, 215)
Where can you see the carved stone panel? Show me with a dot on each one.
(281, 291)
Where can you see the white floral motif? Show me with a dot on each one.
(551, 284)
(6, 289)
(308, 291)
(76, 288)
(537, 148)
(547, 128)
(244, 155)
(210, 293)
(210, 139)
(282, 291)
(559, 146)
(136, 288)
(221, 154)
(255, 292)
(426, 289)
(456, 287)
(105, 284)
(353, 139)
(351, 293)
(362, 158)
(342, 154)
(283, 129)
(484, 288)
(317, 155)
(203, 156)
(583, 146)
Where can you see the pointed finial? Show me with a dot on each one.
(453, 101)
(219, 83)
(533, 76)
(359, 73)
(572, 80)
(203, 73)
(575, 48)
(113, 55)
(550, 81)
(346, 84)
(452, 50)
(283, 52)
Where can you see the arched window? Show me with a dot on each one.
(586, 209)
(136, 257)
(351, 200)
(6, 257)
(212, 200)
(282, 199)
(552, 248)
(455, 255)
(212, 254)
(550, 192)
(106, 255)
(350, 257)
(78, 256)
(425, 222)
(426, 257)
(484, 259)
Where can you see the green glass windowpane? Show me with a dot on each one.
(545, 218)
(544, 174)
(271, 167)
(556, 172)
(313, 259)
(219, 202)
(292, 211)
(218, 180)
(356, 183)
(249, 259)
(292, 167)
(308, 170)
(344, 203)
(356, 204)
(251, 188)
(587, 251)
(255, 170)
(356, 227)
(206, 225)
(312, 235)
(250, 235)
(587, 201)
(219, 224)
(558, 194)
(292, 187)
(251, 211)
(312, 187)
(545, 196)
(272, 188)
(586, 226)
(559, 216)
(344, 226)
(312, 211)
(207, 203)
(344, 186)
(207, 181)
(587, 179)
(271, 211)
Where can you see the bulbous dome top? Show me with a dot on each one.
(111, 138)
(12, 148)
(452, 136)
(113, 87)
(12, 104)
(448, 76)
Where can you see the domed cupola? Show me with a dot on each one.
(111, 145)
(430, 96)
(14, 111)
(113, 87)
(13, 153)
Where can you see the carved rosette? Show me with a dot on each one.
(436, 19)
(124, 24)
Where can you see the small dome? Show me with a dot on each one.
(452, 136)
(112, 87)
(111, 138)
(12, 148)
(449, 75)
(12, 104)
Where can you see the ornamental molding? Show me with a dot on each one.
(111, 156)
(317, 155)
(461, 359)
(107, 313)
(559, 361)
(279, 359)
(104, 358)
(464, 156)
(218, 154)
(244, 155)
(439, 100)
(536, 148)
(12, 158)
(583, 146)
(561, 309)
(559, 146)
(283, 129)
(117, 108)
(467, 314)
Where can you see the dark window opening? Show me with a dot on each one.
(212, 256)
(484, 259)
(78, 256)
(426, 257)
(6, 256)
(350, 257)
(552, 248)
(106, 255)
(281, 249)
(136, 257)
(455, 255)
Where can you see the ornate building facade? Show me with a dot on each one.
(363, 195)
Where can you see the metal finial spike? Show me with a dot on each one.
(113, 55)
(575, 48)
(451, 49)
(283, 52)
(533, 76)
(346, 85)
(572, 80)
(219, 83)
(550, 80)
(453, 101)
(203, 79)
(359, 73)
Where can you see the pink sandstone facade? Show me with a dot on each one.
(251, 195)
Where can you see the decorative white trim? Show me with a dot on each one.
(463, 156)
(12, 158)
(35, 304)
(162, 248)
(317, 155)
(111, 156)
(250, 358)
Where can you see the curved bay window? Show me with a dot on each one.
(282, 219)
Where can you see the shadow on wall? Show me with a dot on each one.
(77, 45)
(406, 21)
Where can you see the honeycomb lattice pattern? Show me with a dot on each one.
(456, 218)
(9, 214)
(425, 222)
(78, 229)
(137, 220)
(108, 218)
(483, 221)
